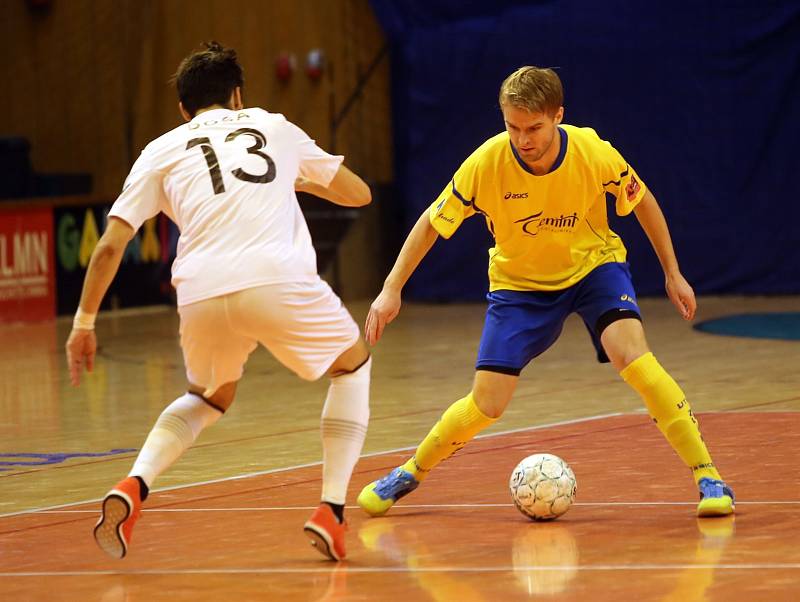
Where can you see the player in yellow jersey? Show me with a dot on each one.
(541, 187)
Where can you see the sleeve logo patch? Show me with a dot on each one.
(632, 189)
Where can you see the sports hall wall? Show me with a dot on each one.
(702, 98)
(87, 84)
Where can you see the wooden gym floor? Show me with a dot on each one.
(226, 521)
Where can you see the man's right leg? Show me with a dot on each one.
(343, 427)
(308, 329)
(463, 420)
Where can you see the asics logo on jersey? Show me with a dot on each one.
(516, 195)
(533, 224)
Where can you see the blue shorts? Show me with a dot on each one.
(521, 325)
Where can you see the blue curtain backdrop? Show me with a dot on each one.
(702, 98)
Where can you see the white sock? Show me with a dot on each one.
(173, 433)
(344, 427)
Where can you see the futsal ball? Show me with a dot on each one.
(542, 486)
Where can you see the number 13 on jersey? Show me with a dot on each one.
(260, 141)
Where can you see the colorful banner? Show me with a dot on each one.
(144, 275)
(27, 274)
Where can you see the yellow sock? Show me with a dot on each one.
(668, 407)
(459, 423)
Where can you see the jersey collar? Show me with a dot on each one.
(562, 152)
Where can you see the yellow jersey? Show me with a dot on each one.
(550, 230)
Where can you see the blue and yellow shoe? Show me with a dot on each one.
(377, 497)
(716, 498)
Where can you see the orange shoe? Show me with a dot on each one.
(326, 533)
(121, 509)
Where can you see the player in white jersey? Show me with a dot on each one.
(245, 273)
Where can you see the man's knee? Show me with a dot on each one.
(622, 355)
(350, 360)
(624, 341)
(492, 392)
(490, 405)
(221, 399)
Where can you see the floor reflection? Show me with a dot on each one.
(545, 558)
(715, 534)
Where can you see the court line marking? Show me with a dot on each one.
(418, 506)
(405, 569)
(369, 455)
(311, 464)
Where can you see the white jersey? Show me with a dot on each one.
(226, 179)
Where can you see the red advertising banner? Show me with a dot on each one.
(27, 270)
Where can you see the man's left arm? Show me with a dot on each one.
(106, 257)
(655, 226)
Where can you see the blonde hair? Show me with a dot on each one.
(536, 89)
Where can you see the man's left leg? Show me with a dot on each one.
(173, 433)
(214, 358)
(625, 344)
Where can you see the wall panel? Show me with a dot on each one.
(89, 84)
(91, 76)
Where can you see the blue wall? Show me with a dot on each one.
(702, 98)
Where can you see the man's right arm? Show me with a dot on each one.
(345, 189)
(387, 304)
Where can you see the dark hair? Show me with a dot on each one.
(208, 77)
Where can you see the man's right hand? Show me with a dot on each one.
(382, 311)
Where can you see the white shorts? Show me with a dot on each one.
(304, 325)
